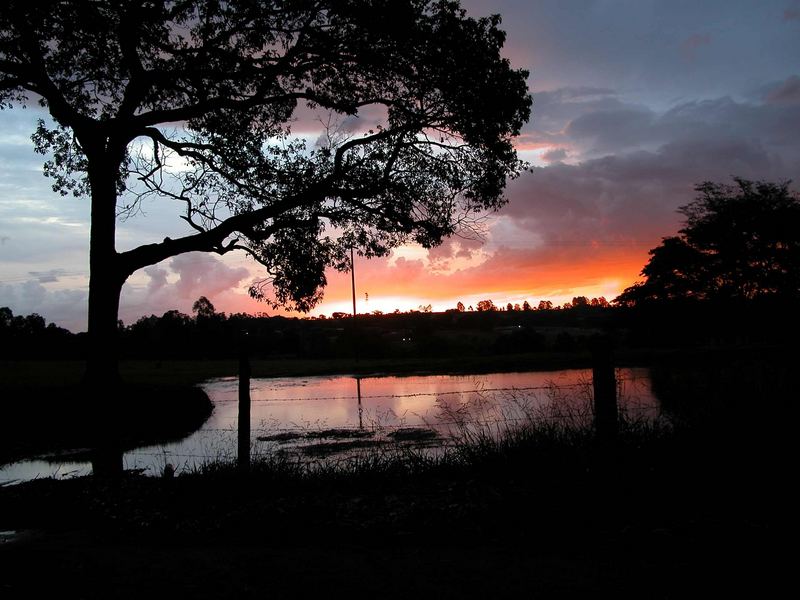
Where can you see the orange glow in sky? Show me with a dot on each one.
(505, 276)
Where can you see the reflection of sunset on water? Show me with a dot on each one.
(312, 404)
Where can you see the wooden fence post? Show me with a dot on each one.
(244, 404)
(605, 390)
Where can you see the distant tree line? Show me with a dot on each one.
(489, 305)
(207, 333)
(30, 335)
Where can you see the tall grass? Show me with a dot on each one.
(514, 429)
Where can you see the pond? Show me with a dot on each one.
(326, 414)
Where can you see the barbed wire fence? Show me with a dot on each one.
(499, 409)
(483, 408)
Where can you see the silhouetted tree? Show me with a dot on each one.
(203, 309)
(526, 306)
(6, 315)
(739, 242)
(545, 305)
(509, 307)
(135, 87)
(580, 301)
(486, 306)
(30, 336)
(460, 307)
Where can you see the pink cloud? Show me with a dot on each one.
(202, 274)
(690, 45)
(787, 92)
(555, 155)
(198, 274)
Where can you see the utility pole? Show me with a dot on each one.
(360, 407)
(353, 284)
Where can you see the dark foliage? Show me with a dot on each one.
(739, 243)
(31, 336)
(118, 77)
(210, 334)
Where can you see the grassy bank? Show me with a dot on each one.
(545, 511)
(700, 507)
(44, 408)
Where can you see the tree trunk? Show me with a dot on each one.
(102, 379)
(105, 277)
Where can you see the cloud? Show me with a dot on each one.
(555, 155)
(691, 44)
(50, 276)
(554, 109)
(202, 274)
(158, 279)
(175, 285)
(66, 307)
(787, 92)
(629, 195)
(454, 253)
(611, 130)
(774, 123)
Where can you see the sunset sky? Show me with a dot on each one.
(635, 101)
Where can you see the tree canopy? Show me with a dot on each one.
(196, 101)
(739, 242)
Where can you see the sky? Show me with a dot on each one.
(634, 103)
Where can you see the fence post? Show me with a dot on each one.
(244, 404)
(605, 389)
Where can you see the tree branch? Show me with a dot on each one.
(212, 239)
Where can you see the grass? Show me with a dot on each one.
(44, 409)
(533, 506)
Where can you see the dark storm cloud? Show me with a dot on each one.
(792, 11)
(640, 46)
(774, 124)
(787, 92)
(630, 198)
(693, 43)
(557, 155)
(554, 110)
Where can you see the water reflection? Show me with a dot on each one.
(290, 412)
